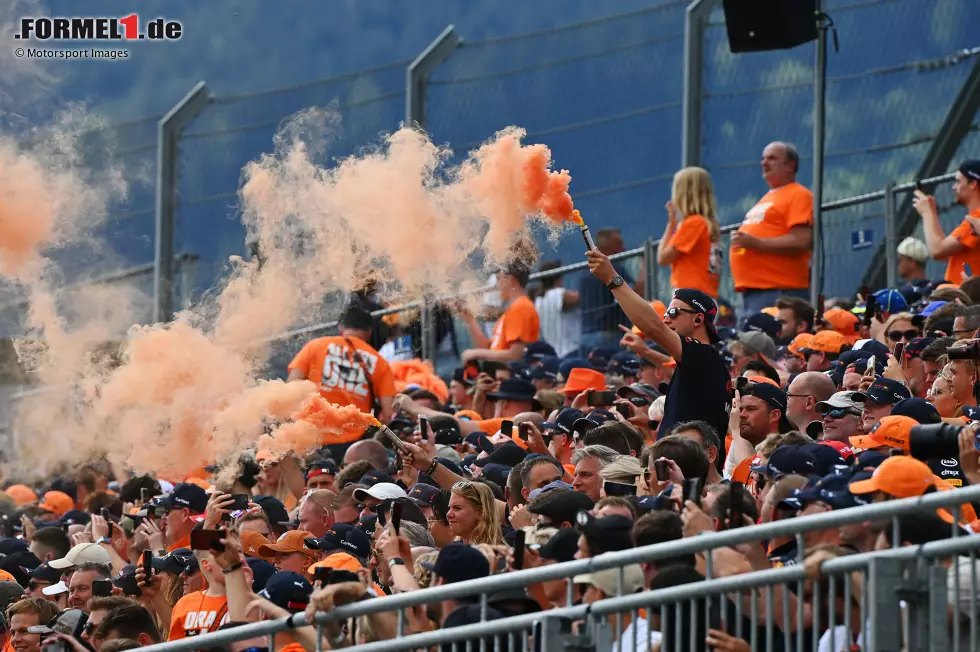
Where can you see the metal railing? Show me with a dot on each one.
(913, 575)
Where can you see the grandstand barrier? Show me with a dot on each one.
(902, 598)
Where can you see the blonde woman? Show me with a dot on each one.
(899, 328)
(691, 244)
(473, 514)
(942, 398)
(625, 469)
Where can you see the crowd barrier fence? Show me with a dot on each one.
(902, 598)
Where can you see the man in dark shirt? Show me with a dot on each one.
(601, 315)
(701, 386)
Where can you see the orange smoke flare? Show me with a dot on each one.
(317, 423)
(556, 203)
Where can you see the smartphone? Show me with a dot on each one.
(870, 307)
(240, 504)
(899, 350)
(207, 540)
(399, 462)
(692, 491)
(424, 427)
(151, 512)
(396, 518)
(130, 586)
(524, 431)
(662, 470)
(322, 575)
(104, 513)
(146, 562)
(101, 588)
(735, 498)
(602, 398)
(619, 489)
(448, 438)
(968, 269)
(144, 496)
(519, 549)
(507, 428)
(872, 363)
(623, 410)
(395, 439)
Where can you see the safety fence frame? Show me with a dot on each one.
(888, 581)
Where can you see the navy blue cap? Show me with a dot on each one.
(480, 440)
(367, 523)
(971, 412)
(458, 562)
(917, 408)
(187, 496)
(423, 494)
(536, 351)
(514, 389)
(273, 508)
(703, 304)
(970, 169)
(768, 393)
(827, 458)
(762, 322)
(624, 363)
(262, 571)
(564, 422)
(343, 537)
(374, 477)
(873, 347)
(787, 460)
(47, 574)
(321, 467)
(507, 453)
(562, 546)
(288, 590)
(599, 357)
(459, 375)
(869, 460)
(520, 369)
(547, 369)
(594, 418)
(74, 517)
(180, 560)
(830, 489)
(884, 391)
(572, 363)
(497, 473)
(400, 422)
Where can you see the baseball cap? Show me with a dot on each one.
(704, 304)
(826, 342)
(827, 458)
(607, 580)
(831, 489)
(423, 494)
(57, 502)
(763, 322)
(507, 453)
(593, 419)
(380, 491)
(799, 343)
(81, 554)
(338, 561)
(970, 169)
(843, 449)
(562, 546)
(787, 460)
(321, 467)
(496, 473)
(884, 391)
(187, 496)
(70, 622)
(893, 431)
(840, 400)
(262, 572)
(843, 322)
(623, 363)
(568, 365)
(55, 589)
(374, 477)
(599, 357)
(538, 350)
(638, 390)
(74, 517)
(609, 533)
(290, 542)
(551, 486)
(890, 301)
(252, 541)
(273, 508)
(917, 408)
(514, 389)
(288, 590)
(757, 342)
(458, 562)
(181, 560)
(547, 369)
(560, 506)
(900, 476)
(768, 393)
(344, 537)
(582, 379)
(913, 248)
(21, 494)
(917, 345)
(45, 573)
(564, 421)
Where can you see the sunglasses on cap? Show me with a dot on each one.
(897, 335)
(840, 413)
(675, 312)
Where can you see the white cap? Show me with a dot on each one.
(380, 491)
(55, 589)
(607, 580)
(914, 248)
(80, 554)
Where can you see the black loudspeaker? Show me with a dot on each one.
(759, 25)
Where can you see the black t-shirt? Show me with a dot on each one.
(700, 389)
(948, 468)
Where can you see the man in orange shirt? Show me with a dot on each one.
(347, 369)
(516, 328)
(962, 246)
(770, 252)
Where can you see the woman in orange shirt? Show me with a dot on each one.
(691, 241)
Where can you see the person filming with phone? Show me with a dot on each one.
(962, 246)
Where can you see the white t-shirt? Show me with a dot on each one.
(560, 329)
(637, 638)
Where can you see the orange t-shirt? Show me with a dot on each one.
(519, 323)
(774, 215)
(699, 260)
(967, 237)
(183, 543)
(196, 613)
(330, 363)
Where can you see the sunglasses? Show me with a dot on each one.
(840, 413)
(897, 335)
(675, 312)
(639, 401)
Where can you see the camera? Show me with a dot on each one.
(935, 440)
(964, 350)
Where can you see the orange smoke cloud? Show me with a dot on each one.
(317, 423)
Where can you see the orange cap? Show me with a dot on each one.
(659, 308)
(292, 541)
(57, 503)
(901, 476)
(6, 577)
(581, 379)
(764, 379)
(252, 541)
(827, 342)
(894, 431)
(472, 415)
(337, 561)
(743, 471)
(800, 342)
(772, 311)
(843, 322)
(21, 493)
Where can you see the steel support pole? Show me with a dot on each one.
(819, 124)
(694, 23)
(168, 133)
(650, 269)
(891, 247)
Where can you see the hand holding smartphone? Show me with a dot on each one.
(396, 518)
(507, 428)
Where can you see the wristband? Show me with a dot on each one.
(432, 467)
(232, 569)
(395, 561)
(104, 540)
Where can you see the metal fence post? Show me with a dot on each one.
(651, 271)
(168, 133)
(694, 23)
(884, 581)
(890, 235)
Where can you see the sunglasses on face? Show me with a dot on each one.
(675, 312)
(639, 401)
(840, 413)
(898, 335)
